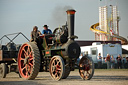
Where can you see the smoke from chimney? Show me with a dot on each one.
(59, 15)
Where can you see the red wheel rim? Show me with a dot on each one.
(56, 69)
(87, 68)
(25, 61)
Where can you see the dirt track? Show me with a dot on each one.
(101, 77)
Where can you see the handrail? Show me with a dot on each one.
(17, 34)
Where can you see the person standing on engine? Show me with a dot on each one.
(35, 34)
(99, 58)
(46, 30)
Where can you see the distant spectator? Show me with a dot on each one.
(123, 62)
(119, 62)
(112, 62)
(86, 53)
(81, 56)
(108, 61)
(126, 61)
(78, 59)
(99, 58)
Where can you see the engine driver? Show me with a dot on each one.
(46, 30)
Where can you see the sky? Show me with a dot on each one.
(23, 15)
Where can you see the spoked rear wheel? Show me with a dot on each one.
(3, 70)
(57, 68)
(29, 61)
(86, 70)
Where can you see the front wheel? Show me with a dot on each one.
(57, 68)
(67, 72)
(86, 69)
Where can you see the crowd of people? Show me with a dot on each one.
(111, 61)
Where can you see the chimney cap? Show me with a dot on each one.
(70, 11)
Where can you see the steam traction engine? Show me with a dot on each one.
(56, 53)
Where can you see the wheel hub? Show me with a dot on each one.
(54, 68)
(26, 60)
(86, 67)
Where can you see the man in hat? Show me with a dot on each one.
(46, 30)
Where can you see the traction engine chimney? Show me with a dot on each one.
(70, 23)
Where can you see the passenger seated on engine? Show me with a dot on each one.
(35, 34)
(46, 30)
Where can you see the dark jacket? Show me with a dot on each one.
(35, 35)
(119, 59)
